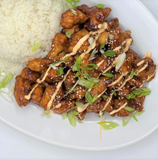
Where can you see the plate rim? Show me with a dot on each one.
(82, 148)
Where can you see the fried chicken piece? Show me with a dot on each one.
(32, 76)
(70, 80)
(79, 93)
(103, 38)
(97, 106)
(113, 23)
(102, 86)
(137, 103)
(149, 73)
(124, 90)
(52, 76)
(69, 19)
(37, 94)
(72, 30)
(136, 82)
(76, 37)
(95, 15)
(59, 44)
(127, 64)
(66, 105)
(48, 93)
(117, 104)
(81, 115)
(38, 64)
(22, 88)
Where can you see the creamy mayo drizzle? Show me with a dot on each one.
(148, 54)
(117, 110)
(152, 74)
(141, 62)
(56, 91)
(38, 82)
(115, 81)
(58, 106)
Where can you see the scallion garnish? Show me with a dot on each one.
(132, 73)
(93, 54)
(80, 104)
(127, 108)
(89, 98)
(73, 11)
(107, 125)
(138, 92)
(100, 5)
(68, 34)
(46, 113)
(109, 75)
(104, 97)
(102, 46)
(64, 115)
(109, 53)
(36, 46)
(76, 66)
(60, 71)
(111, 36)
(72, 2)
(86, 83)
(115, 94)
(6, 80)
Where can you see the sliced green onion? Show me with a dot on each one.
(6, 80)
(46, 113)
(115, 94)
(36, 46)
(68, 34)
(127, 108)
(100, 5)
(72, 119)
(75, 113)
(125, 121)
(109, 75)
(102, 46)
(89, 98)
(93, 55)
(109, 53)
(64, 115)
(60, 71)
(86, 83)
(132, 73)
(104, 97)
(111, 36)
(107, 125)
(76, 66)
(73, 11)
(80, 104)
(73, 3)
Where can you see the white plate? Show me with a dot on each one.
(135, 17)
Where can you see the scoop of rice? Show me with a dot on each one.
(24, 23)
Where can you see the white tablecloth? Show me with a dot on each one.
(14, 145)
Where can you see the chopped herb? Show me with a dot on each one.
(90, 66)
(115, 94)
(64, 115)
(60, 71)
(6, 80)
(126, 120)
(93, 55)
(107, 125)
(109, 75)
(86, 83)
(75, 113)
(46, 113)
(72, 119)
(102, 46)
(80, 104)
(104, 97)
(111, 36)
(109, 53)
(132, 73)
(127, 108)
(36, 46)
(138, 92)
(73, 11)
(53, 66)
(76, 66)
(100, 5)
(68, 34)
(89, 98)
(72, 2)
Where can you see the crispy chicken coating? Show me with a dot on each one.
(69, 19)
(38, 64)
(22, 88)
(26, 73)
(59, 44)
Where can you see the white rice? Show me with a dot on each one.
(23, 23)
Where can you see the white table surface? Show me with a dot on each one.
(15, 145)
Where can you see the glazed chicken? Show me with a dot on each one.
(90, 68)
